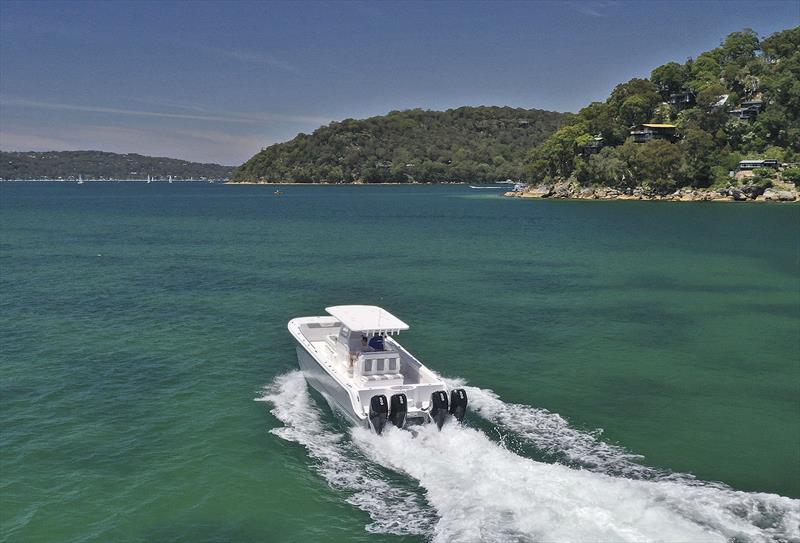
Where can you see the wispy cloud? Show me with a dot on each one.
(30, 142)
(239, 118)
(594, 8)
(251, 57)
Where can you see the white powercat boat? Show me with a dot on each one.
(351, 358)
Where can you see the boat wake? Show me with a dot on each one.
(341, 464)
(479, 490)
(551, 433)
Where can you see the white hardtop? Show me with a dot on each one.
(367, 318)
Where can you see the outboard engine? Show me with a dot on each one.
(439, 408)
(378, 411)
(398, 407)
(458, 403)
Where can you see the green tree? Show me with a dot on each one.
(556, 157)
(697, 148)
(739, 47)
(670, 78)
(603, 168)
(792, 175)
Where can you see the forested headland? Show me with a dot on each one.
(101, 165)
(739, 101)
(468, 144)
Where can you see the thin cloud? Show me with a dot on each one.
(596, 8)
(27, 142)
(251, 57)
(225, 118)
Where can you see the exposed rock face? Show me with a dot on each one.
(572, 190)
(542, 191)
(780, 195)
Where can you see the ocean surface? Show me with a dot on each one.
(633, 368)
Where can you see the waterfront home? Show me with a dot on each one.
(745, 165)
(646, 132)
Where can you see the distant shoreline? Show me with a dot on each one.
(291, 183)
(107, 180)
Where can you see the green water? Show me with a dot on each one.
(140, 321)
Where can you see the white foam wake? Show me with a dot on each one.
(342, 467)
(550, 433)
(481, 491)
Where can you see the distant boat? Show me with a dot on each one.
(170, 179)
(80, 180)
(490, 187)
(278, 193)
(149, 179)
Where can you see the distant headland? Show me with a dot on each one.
(467, 144)
(90, 165)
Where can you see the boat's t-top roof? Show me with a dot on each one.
(367, 318)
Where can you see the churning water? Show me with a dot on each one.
(475, 489)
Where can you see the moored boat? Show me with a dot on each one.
(352, 358)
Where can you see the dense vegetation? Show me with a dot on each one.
(475, 144)
(97, 164)
(711, 139)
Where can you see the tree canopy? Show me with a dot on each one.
(475, 144)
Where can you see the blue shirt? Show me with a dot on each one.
(376, 342)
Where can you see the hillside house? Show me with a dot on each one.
(748, 109)
(646, 132)
(746, 165)
(593, 146)
(682, 100)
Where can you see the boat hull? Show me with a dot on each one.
(323, 382)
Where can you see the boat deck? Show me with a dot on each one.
(386, 371)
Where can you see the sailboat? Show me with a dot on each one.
(80, 179)
(149, 179)
(170, 179)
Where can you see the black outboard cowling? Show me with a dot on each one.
(378, 412)
(458, 403)
(398, 407)
(439, 408)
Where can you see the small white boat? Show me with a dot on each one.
(351, 358)
(80, 180)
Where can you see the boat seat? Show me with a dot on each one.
(384, 380)
(380, 369)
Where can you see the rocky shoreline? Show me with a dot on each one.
(575, 191)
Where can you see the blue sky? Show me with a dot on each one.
(217, 81)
